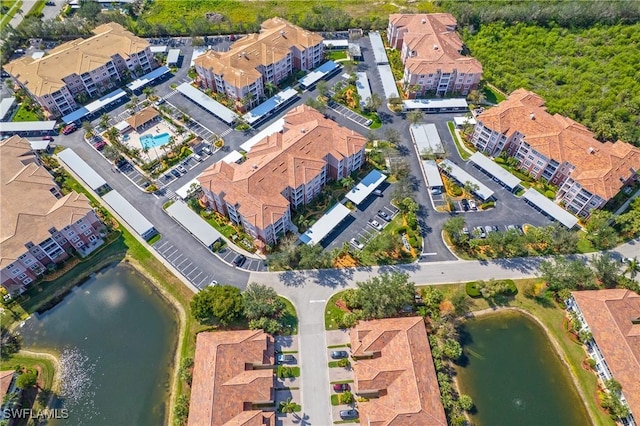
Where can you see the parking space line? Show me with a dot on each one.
(199, 273)
(179, 256)
(180, 264)
(172, 253)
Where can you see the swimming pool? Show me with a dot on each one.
(149, 141)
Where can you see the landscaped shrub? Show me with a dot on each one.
(550, 194)
(499, 160)
(472, 289)
(402, 230)
(456, 191)
(488, 205)
(512, 289)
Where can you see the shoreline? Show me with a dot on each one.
(556, 347)
(55, 360)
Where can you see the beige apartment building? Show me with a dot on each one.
(432, 54)
(283, 171)
(82, 69)
(557, 149)
(40, 225)
(257, 59)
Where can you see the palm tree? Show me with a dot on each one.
(88, 128)
(270, 88)
(633, 267)
(414, 116)
(104, 120)
(374, 102)
(111, 153)
(470, 187)
(347, 182)
(149, 92)
(287, 406)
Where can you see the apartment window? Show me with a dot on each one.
(93, 238)
(27, 281)
(75, 239)
(22, 276)
(87, 232)
(28, 261)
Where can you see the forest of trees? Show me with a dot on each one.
(590, 75)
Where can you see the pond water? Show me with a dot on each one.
(514, 375)
(116, 338)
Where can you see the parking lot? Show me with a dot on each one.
(357, 226)
(181, 262)
(356, 118)
(251, 264)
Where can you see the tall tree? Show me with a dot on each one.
(385, 295)
(261, 301)
(373, 102)
(221, 303)
(633, 267)
(606, 269)
(415, 116)
(561, 273)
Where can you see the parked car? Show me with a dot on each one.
(69, 129)
(213, 283)
(339, 354)
(357, 244)
(99, 145)
(47, 138)
(349, 414)
(465, 204)
(50, 3)
(196, 157)
(465, 231)
(384, 216)
(495, 228)
(181, 169)
(159, 102)
(175, 173)
(480, 230)
(377, 193)
(206, 150)
(511, 227)
(472, 205)
(239, 260)
(375, 224)
(488, 229)
(284, 358)
(341, 387)
(436, 191)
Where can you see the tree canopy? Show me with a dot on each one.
(261, 301)
(385, 295)
(221, 303)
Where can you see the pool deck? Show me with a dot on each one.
(155, 151)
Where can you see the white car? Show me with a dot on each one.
(375, 224)
(472, 205)
(357, 244)
(213, 283)
(181, 169)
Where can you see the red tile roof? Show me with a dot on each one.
(285, 159)
(599, 166)
(6, 376)
(609, 314)
(402, 368)
(433, 38)
(225, 385)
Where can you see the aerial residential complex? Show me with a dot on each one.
(233, 372)
(286, 169)
(40, 226)
(79, 70)
(257, 59)
(394, 370)
(558, 150)
(432, 54)
(613, 318)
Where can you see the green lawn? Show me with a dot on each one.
(45, 375)
(13, 6)
(492, 95)
(290, 318)
(552, 316)
(24, 115)
(461, 151)
(332, 314)
(335, 55)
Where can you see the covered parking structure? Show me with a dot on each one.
(327, 223)
(94, 106)
(366, 186)
(364, 90)
(173, 56)
(233, 157)
(147, 78)
(489, 167)
(426, 138)
(338, 44)
(271, 106)
(436, 105)
(130, 214)
(27, 128)
(388, 81)
(434, 180)
(324, 71)
(549, 208)
(210, 105)
(462, 177)
(84, 171)
(193, 223)
(186, 190)
(379, 52)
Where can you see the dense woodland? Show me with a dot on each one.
(591, 75)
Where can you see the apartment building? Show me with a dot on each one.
(394, 370)
(283, 171)
(40, 226)
(257, 59)
(612, 316)
(82, 69)
(557, 149)
(232, 377)
(432, 54)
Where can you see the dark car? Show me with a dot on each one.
(349, 414)
(341, 387)
(339, 354)
(465, 205)
(284, 358)
(175, 173)
(47, 138)
(377, 193)
(384, 216)
(69, 129)
(239, 260)
(99, 145)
